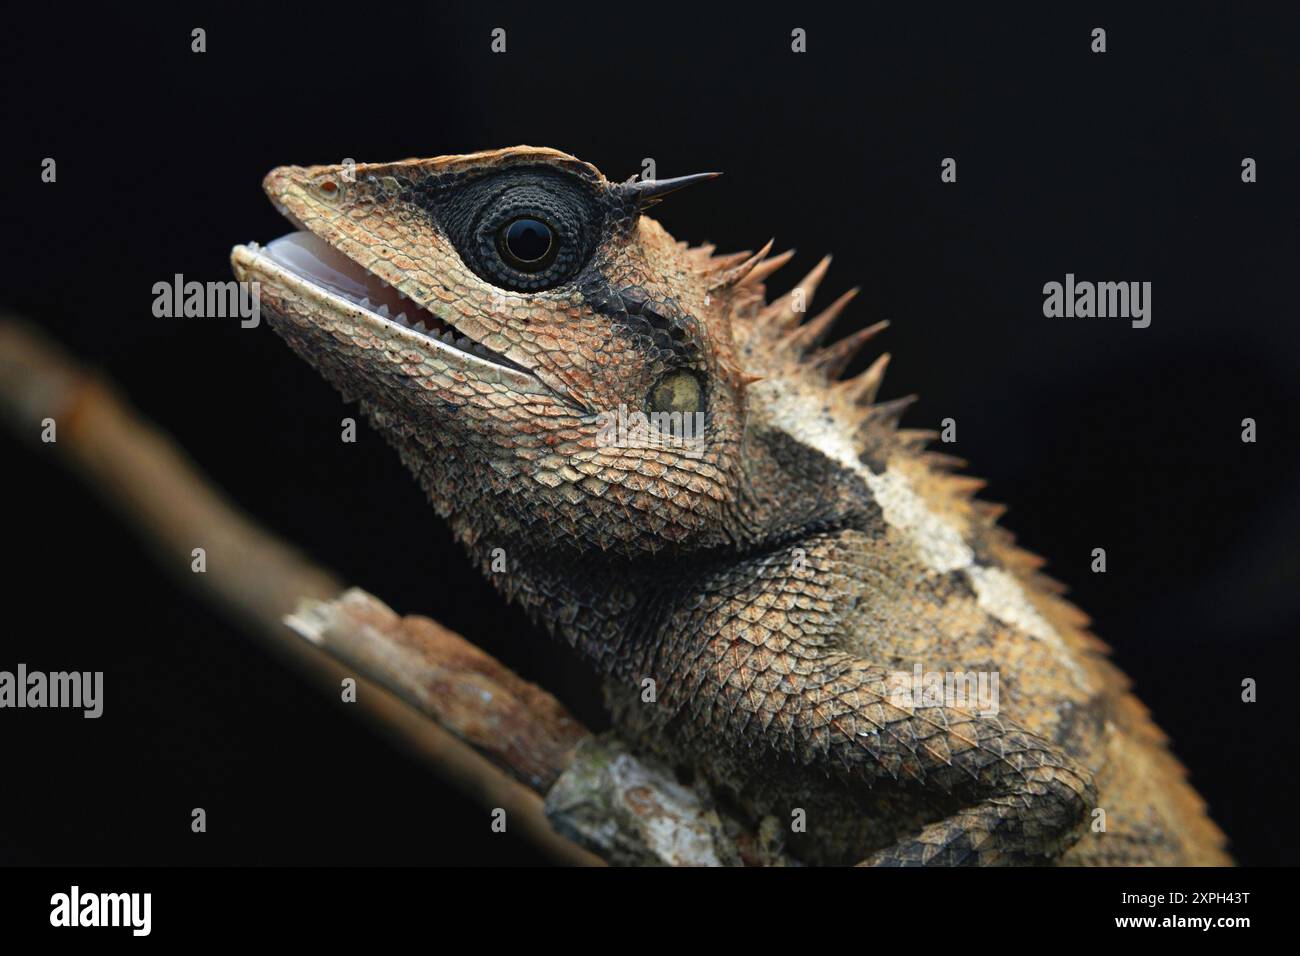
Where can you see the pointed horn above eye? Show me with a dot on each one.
(650, 191)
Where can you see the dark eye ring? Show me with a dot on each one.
(527, 244)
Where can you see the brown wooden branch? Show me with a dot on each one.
(517, 725)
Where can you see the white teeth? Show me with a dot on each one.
(317, 262)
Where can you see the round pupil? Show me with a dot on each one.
(528, 240)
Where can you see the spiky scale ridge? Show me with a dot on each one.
(761, 270)
(735, 276)
(833, 359)
(789, 310)
(862, 389)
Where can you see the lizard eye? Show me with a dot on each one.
(527, 244)
(524, 230)
(678, 391)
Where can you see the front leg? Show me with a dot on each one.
(1019, 800)
(1027, 800)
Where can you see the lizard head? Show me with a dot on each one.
(555, 369)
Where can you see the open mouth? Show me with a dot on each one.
(313, 260)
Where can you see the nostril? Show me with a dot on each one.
(327, 189)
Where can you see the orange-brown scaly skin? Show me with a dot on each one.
(772, 582)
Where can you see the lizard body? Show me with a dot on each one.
(774, 579)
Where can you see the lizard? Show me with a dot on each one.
(773, 578)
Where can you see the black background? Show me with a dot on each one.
(1122, 166)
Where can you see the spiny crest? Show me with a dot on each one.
(774, 341)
